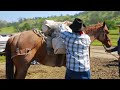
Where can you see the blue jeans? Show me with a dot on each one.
(77, 75)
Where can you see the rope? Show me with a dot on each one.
(40, 34)
(115, 56)
(117, 59)
(110, 53)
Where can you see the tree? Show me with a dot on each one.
(3, 23)
(26, 26)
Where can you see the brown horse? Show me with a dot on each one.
(23, 48)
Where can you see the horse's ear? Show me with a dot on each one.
(104, 24)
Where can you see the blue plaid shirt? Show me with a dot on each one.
(77, 50)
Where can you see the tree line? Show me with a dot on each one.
(112, 18)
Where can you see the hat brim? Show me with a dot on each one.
(84, 25)
(73, 27)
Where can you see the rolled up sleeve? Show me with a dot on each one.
(63, 31)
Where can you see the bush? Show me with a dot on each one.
(111, 24)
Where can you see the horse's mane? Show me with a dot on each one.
(93, 28)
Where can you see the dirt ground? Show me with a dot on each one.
(103, 66)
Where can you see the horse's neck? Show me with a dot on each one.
(92, 37)
(93, 33)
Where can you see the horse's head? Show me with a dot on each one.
(103, 35)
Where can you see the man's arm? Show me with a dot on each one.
(63, 31)
(112, 50)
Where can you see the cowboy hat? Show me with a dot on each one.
(77, 25)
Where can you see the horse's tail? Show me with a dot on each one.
(9, 62)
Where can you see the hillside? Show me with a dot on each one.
(112, 18)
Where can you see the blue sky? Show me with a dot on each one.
(12, 16)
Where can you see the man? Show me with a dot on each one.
(77, 50)
(117, 48)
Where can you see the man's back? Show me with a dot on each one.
(77, 50)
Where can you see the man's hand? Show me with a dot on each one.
(109, 51)
(68, 23)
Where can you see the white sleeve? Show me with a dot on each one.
(89, 40)
(62, 28)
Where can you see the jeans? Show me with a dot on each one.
(77, 75)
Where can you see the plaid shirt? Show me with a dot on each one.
(77, 50)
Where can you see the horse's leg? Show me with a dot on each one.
(22, 64)
(21, 67)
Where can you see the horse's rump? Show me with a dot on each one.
(28, 42)
(24, 42)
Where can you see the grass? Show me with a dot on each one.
(7, 30)
(113, 39)
(2, 59)
(96, 43)
(114, 32)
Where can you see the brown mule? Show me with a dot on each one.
(26, 46)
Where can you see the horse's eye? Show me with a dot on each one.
(106, 32)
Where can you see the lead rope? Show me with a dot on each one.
(109, 53)
(115, 56)
(117, 59)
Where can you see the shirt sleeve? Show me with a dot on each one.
(63, 32)
(88, 40)
(114, 49)
(117, 48)
(62, 28)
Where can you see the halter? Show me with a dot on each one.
(106, 49)
(100, 34)
(96, 38)
(119, 37)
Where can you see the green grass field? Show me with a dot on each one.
(7, 30)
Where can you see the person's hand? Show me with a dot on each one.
(109, 51)
(68, 23)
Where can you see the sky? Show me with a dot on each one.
(13, 16)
